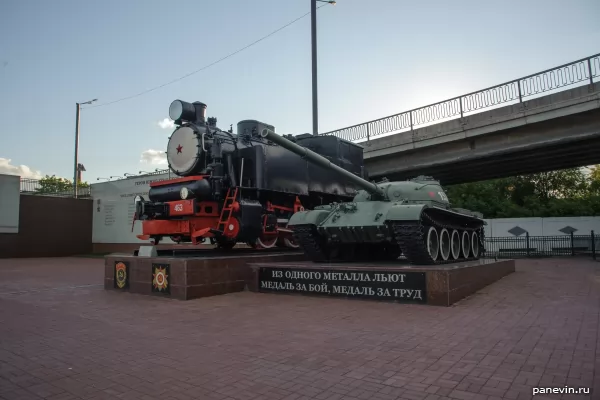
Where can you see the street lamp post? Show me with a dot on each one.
(76, 167)
(313, 37)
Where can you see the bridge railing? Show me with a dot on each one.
(580, 71)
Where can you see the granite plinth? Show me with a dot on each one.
(185, 278)
(440, 285)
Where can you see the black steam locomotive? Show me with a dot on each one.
(239, 187)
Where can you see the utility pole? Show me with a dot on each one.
(76, 166)
(313, 38)
(76, 149)
(313, 35)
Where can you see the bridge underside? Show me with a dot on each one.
(549, 158)
(567, 142)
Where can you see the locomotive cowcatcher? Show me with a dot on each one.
(233, 188)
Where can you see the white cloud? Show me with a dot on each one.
(155, 157)
(23, 171)
(166, 123)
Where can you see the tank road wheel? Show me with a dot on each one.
(475, 244)
(455, 244)
(433, 243)
(466, 244)
(445, 244)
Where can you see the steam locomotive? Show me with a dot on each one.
(233, 188)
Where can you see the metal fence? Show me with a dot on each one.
(580, 71)
(138, 175)
(542, 246)
(34, 187)
(157, 172)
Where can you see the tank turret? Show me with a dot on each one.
(385, 220)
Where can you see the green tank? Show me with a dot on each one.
(385, 220)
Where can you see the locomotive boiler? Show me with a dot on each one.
(232, 188)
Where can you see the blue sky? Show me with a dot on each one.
(376, 58)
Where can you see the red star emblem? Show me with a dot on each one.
(179, 149)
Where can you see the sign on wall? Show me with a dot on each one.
(114, 209)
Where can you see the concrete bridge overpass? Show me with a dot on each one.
(560, 130)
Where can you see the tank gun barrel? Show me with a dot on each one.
(317, 159)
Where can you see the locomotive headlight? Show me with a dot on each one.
(182, 110)
(184, 193)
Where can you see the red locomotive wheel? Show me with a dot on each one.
(288, 241)
(232, 229)
(266, 243)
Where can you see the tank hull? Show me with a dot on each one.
(426, 234)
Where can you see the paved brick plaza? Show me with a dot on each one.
(63, 337)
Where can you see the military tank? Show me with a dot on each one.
(385, 220)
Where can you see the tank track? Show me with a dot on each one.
(307, 238)
(317, 250)
(411, 236)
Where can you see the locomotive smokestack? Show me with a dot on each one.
(180, 111)
(200, 111)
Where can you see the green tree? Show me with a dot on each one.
(54, 184)
(594, 180)
(566, 183)
(595, 173)
(567, 192)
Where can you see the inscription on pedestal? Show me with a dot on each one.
(409, 287)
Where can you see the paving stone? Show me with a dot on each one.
(65, 338)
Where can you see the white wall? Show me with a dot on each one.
(114, 209)
(10, 202)
(542, 226)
